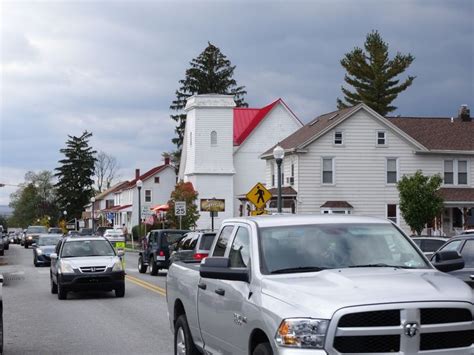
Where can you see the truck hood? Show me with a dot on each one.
(326, 291)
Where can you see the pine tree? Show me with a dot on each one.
(75, 175)
(210, 73)
(373, 75)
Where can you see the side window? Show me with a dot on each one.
(468, 253)
(239, 255)
(222, 241)
(152, 239)
(58, 247)
(456, 245)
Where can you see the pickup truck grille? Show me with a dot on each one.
(408, 328)
(88, 269)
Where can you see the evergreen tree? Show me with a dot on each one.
(373, 75)
(75, 175)
(210, 73)
(419, 200)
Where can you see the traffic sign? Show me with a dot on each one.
(258, 212)
(180, 208)
(259, 196)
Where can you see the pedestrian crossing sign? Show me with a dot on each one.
(259, 196)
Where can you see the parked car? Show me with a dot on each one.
(4, 237)
(468, 231)
(464, 245)
(428, 245)
(86, 263)
(100, 230)
(43, 248)
(194, 246)
(32, 234)
(317, 285)
(2, 247)
(55, 230)
(155, 253)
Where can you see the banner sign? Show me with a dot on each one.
(212, 205)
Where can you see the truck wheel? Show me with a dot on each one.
(183, 341)
(263, 349)
(62, 293)
(54, 287)
(141, 266)
(153, 267)
(2, 252)
(120, 292)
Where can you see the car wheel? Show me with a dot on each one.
(54, 287)
(183, 341)
(62, 292)
(120, 292)
(26, 246)
(263, 349)
(141, 266)
(7, 246)
(153, 267)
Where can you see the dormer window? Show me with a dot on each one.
(338, 138)
(213, 138)
(381, 138)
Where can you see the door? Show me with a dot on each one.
(230, 329)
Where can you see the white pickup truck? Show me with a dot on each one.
(305, 285)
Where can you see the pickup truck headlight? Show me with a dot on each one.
(302, 333)
(39, 251)
(117, 266)
(66, 268)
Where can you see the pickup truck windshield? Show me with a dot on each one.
(326, 246)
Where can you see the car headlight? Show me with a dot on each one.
(117, 266)
(39, 251)
(66, 268)
(302, 333)
(30, 237)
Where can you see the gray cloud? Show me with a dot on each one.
(112, 67)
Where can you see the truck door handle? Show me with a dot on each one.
(202, 286)
(220, 291)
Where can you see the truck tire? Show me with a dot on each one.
(183, 341)
(263, 349)
(153, 267)
(141, 266)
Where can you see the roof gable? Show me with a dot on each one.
(150, 173)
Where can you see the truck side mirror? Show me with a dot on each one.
(218, 268)
(53, 256)
(447, 260)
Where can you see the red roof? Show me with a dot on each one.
(246, 119)
(146, 175)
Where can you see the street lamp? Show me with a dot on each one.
(278, 154)
(139, 187)
(93, 214)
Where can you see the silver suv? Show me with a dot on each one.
(86, 263)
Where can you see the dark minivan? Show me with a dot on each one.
(155, 252)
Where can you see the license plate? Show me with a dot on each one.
(161, 257)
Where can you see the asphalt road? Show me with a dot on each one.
(35, 321)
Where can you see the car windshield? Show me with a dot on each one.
(87, 248)
(323, 246)
(50, 240)
(37, 230)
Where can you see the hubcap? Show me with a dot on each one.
(180, 342)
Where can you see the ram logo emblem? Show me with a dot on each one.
(411, 329)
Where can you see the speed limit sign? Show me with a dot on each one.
(180, 208)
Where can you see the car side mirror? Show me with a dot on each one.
(120, 253)
(218, 268)
(447, 260)
(53, 256)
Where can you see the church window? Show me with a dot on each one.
(213, 138)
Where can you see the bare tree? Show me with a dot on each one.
(105, 169)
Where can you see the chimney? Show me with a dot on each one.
(464, 114)
(167, 160)
(137, 174)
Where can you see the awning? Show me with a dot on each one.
(159, 208)
(336, 204)
(117, 209)
(457, 195)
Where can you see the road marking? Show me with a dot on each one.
(146, 285)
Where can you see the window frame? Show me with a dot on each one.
(157, 180)
(333, 171)
(229, 240)
(213, 138)
(145, 196)
(231, 243)
(397, 175)
(385, 138)
(341, 144)
(397, 213)
(455, 171)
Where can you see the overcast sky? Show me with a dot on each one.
(112, 67)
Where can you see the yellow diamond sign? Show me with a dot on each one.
(259, 196)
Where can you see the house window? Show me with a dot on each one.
(272, 167)
(147, 195)
(213, 138)
(338, 138)
(392, 213)
(462, 172)
(381, 138)
(292, 170)
(157, 179)
(328, 170)
(448, 172)
(336, 211)
(391, 171)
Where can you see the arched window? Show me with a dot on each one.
(213, 138)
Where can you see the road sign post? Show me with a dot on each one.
(180, 210)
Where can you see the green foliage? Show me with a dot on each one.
(35, 199)
(373, 75)
(184, 191)
(74, 187)
(419, 201)
(210, 73)
(4, 222)
(145, 228)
